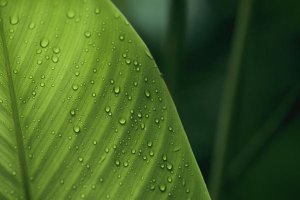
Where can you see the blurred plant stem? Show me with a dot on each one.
(260, 138)
(174, 43)
(228, 102)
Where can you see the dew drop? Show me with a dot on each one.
(44, 43)
(147, 94)
(122, 121)
(164, 157)
(107, 109)
(169, 166)
(31, 25)
(121, 37)
(97, 10)
(14, 20)
(149, 144)
(162, 188)
(56, 50)
(117, 90)
(117, 163)
(72, 112)
(87, 34)
(80, 159)
(71, 14)
(75, 87)
(76, 129)
(54, 59)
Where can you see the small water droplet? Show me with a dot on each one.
(80, 159)
(162, 188)
(107, 109)
(97, 10)
(121, 37)
(56, 50)
(44, 42)
(87, 34)
(14, 20)
(75, 87)
(76, 129)
(54, 59)
(72, 112)
(149, 144)
(122, 121)
(117, 90)
(147, 94)
(71, 14)
(117, 162)
(164, 157)
(31, 25)
(169, 166)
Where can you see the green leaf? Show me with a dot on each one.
(84, 112)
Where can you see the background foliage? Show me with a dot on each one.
(262, 155)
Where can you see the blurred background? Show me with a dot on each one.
(233, 69)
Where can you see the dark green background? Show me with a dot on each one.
(270, 70)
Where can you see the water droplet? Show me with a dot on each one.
(31, 25)
(128, 61)
(149, 144)
(97, 10)
(94, 142)
(117, 162)
(75, 87)
(107, 109)
(169, 166)
(80, 159)
(121, 37)
(125, 164)
(164, 157)
(147, 94)
(122, 121)
(14, 20)
(87, 34)
(76, 129)
(56, 50)
(72, 112)
(54, 59)
(169, 179)
(44, 42)
(71, 14)
(117, 90)
(162, 188)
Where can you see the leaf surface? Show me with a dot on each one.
(84, 112)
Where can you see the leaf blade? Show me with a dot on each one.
(96, 116)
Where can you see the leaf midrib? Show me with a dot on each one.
(15, 115)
